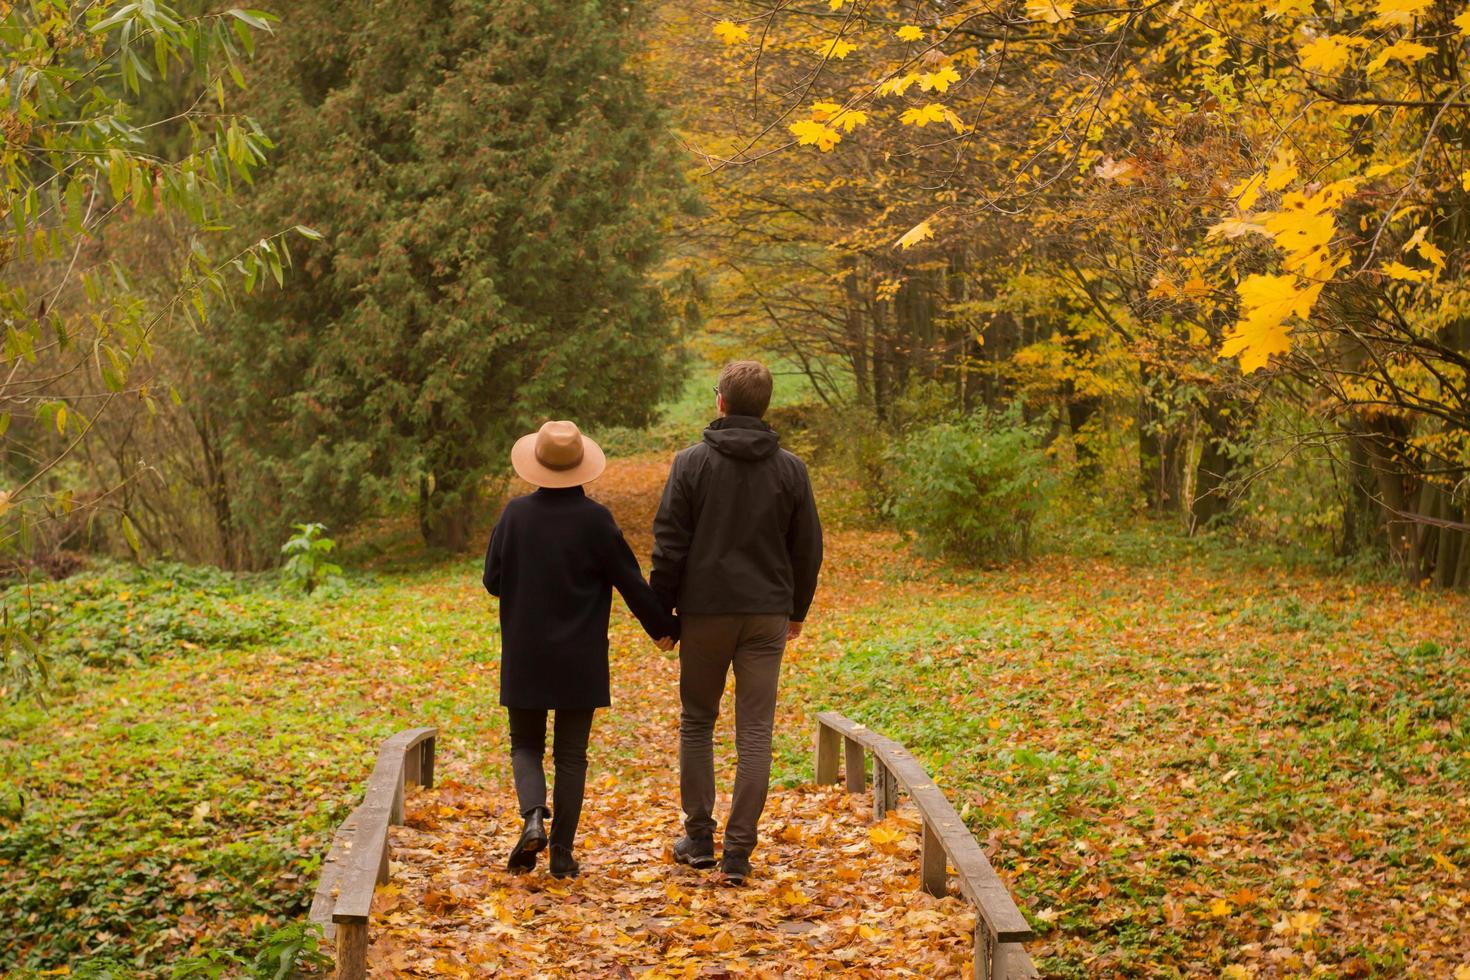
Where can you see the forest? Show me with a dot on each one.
(1128, 346)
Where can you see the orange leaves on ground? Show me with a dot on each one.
(825, 899)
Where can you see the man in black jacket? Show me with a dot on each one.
(737, 546)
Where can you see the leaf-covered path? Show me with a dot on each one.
(833, 892)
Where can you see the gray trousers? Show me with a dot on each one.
(708, 647)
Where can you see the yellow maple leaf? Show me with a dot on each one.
(1220, 908)
(916, 234)
(1283, 171)
(910, 33)
(1465, 180)
(850, 120)
(1407, 52)
(1050, 11)
(809, 132)
(1399, 13)
(835, 48)
(1462, 972)
(1463, 23)
(922, 116)
(822, 111)
(1235, 972)
(730, 32)
(940, 80)
(1325, 54)
(898, 84)
(1248, 191)
(1266, 303)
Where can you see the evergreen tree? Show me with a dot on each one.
(491, 180)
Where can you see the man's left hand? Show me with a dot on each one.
(793, 630)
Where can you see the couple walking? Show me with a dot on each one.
(737, 546)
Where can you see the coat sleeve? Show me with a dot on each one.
(804, 545)
(495, 558)
(625, 575)
(673, 533)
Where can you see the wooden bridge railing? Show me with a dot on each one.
(1000, 928)
(358, 860)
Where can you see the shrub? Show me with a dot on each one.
(971, 488)
(306, 564)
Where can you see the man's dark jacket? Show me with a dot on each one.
(553, 559)
(737, 529)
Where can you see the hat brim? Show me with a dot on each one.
(533, 471)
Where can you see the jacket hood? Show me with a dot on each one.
(742, 437)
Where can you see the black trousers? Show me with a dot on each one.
(568, 751)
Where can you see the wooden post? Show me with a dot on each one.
(934, 871)
(383, 864)
(352, 947)
(982, 950)
(412, 760)
(826, 761)
(852, 765)
(426, 764)
(885, 790)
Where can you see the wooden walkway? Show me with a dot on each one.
(849, 882)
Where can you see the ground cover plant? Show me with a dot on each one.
(1189, 762)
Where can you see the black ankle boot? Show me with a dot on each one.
(533, 839)
(563, 865)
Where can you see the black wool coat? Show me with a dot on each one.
(554, 558)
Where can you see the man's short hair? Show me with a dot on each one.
(746, 386)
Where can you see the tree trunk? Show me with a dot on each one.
(1217, 462)
(446, 513)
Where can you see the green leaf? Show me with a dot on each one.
(122, 13)
(130, 534)
(306, 232)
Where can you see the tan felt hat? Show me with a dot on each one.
(557, 455)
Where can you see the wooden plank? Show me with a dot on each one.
(360, 876)
(977, 879)
(853, 765)
(325, 898)
(352, 947)
(826, 755)
(358, 860)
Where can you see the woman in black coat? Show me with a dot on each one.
(554, 557)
